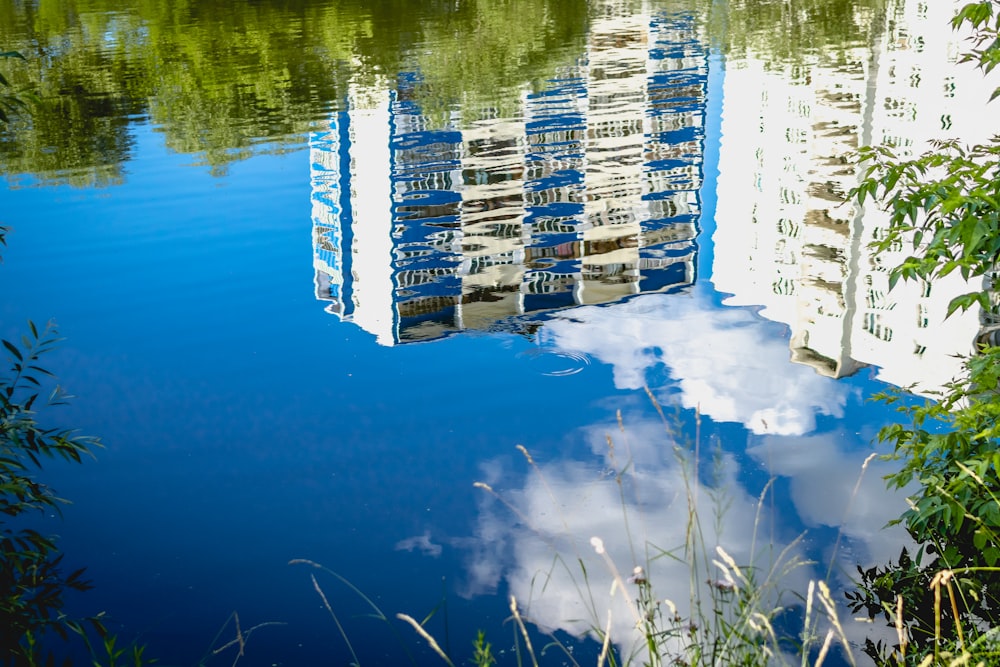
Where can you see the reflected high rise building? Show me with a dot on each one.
(588, 195)
(787, 238)
(354, 262)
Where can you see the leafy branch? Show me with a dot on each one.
(945, 206)
(984, 18)
(33, 583)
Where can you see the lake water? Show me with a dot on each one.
(322, 267)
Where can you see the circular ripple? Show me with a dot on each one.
(556, 363)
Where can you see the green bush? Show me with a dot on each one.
(944, 205)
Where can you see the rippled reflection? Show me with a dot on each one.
(551, 180)
(788, 241)
(225, 81)
(590, 194)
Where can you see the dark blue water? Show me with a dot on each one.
(258, 407)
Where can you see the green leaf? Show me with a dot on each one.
(13, 350)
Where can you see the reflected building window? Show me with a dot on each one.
(589, 195)
(786, 237)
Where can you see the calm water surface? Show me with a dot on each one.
(322, 267)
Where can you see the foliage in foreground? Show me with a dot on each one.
(32, 584)
(944, 205)
(950, 448)
(33, 580)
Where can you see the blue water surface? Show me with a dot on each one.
(245, 427)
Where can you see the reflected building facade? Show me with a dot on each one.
(589, 195)
(787, 238)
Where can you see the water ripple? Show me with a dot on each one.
(556, 363)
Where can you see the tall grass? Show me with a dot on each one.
(734, 607)
(731, 611)
(951, 620)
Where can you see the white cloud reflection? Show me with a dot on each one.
(535, 540)
(727, 361)
(422, 543)
(830, 488)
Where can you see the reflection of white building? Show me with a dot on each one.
(786, 238)
(364, 271)
(590, 195)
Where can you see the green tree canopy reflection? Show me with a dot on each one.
(794, 31)
(222, 80)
